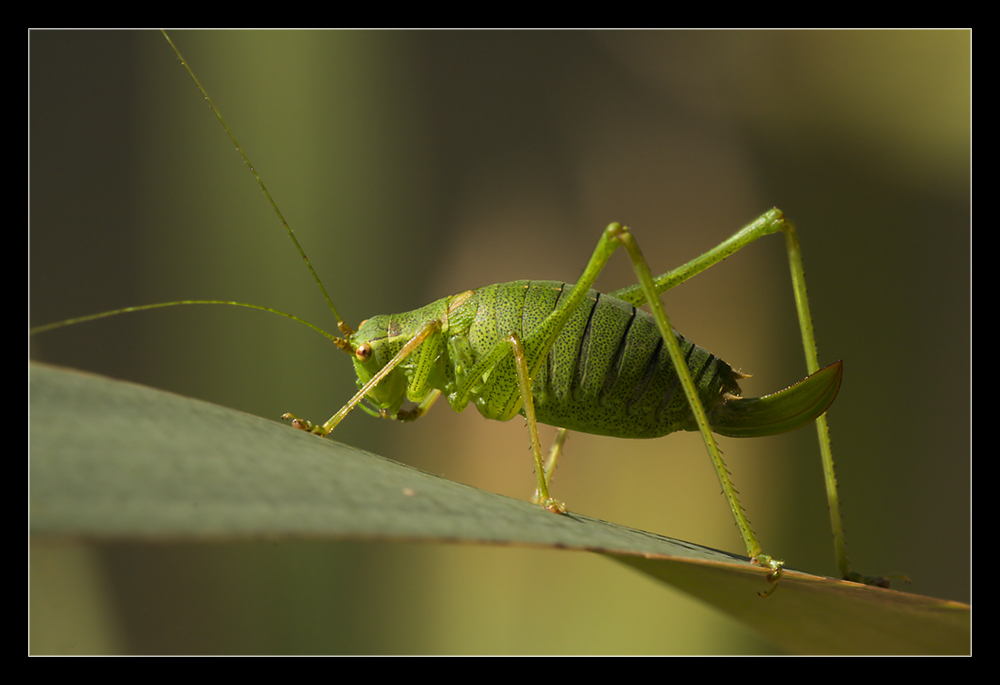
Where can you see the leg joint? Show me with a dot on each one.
(615, 231)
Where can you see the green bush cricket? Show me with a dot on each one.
(504, 355)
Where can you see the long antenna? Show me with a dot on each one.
(344, 328)
(125, 310)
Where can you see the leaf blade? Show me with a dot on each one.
(113, 461)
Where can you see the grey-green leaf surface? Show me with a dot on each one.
(112, 461)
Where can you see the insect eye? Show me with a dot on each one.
(363, 352)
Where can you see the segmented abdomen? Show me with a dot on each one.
(608, 372)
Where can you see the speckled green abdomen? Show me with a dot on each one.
(608, 372)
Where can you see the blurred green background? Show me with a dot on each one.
(413, 165)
